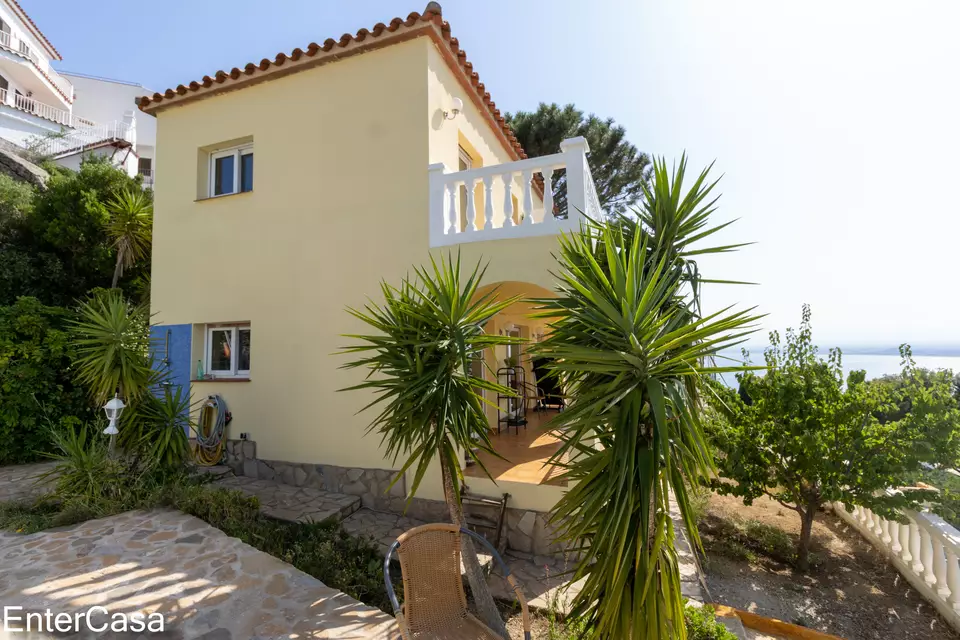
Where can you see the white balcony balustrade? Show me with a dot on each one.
(85, 136)
(926, 551)
(41, 110)
(11, 42)
(508, 200)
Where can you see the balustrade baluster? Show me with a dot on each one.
(488, 202)
(940, 569)
(508, 200)
(926, 556)
(547, 196)
(454, 213)
(885, 530)
(471, 205)
(449, 226)
(915, 548)
(527, 198)
(877, 525)
(953, 580)
(905, 554)
(897, 546)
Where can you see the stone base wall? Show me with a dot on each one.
(527, 531)
(237, 452)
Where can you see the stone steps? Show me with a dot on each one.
(293, 504)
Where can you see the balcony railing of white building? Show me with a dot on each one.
(517, 198)
(926, 551)
(12, 43)
(83, 137)
(41, 110)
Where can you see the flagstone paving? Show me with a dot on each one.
(22, 482)
(205, 584)
(294, 504)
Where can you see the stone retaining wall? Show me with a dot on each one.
(527, 531)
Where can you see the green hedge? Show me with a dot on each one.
(36, 388)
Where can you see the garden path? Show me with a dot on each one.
(204, 583)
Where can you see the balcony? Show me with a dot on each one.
(513, 199)
(42, 110)
(34, 72)
(85, 136)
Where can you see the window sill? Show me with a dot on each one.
(224, 379)
(226, 195)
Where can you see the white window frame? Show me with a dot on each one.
(234, 330)
(237, 153)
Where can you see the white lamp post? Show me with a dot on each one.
(113, 409)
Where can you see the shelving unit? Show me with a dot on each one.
(516, 411)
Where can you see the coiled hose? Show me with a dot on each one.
(211, 431)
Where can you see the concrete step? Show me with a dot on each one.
(293, 504)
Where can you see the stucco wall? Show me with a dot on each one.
(340, 201)
(105, 101)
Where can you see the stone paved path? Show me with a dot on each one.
(21, 482)
(294, 504)
(205, 584)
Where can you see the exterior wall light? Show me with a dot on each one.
(455, 109)
(113, 409)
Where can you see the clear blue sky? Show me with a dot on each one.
(834, 123)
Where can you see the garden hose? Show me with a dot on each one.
(211, 432)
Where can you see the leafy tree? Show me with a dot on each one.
(429, 330)
(36, 387)
(631, 349)
(16, 201)
(130, 228)
(807, 437)
(619, 170)
(60, 250)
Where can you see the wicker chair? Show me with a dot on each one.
(435, 604)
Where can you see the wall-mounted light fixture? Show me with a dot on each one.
(455, 109)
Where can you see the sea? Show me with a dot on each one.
(875, 365)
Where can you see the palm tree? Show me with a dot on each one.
(429, 331)
(130, 228)
(631, 348)
(113, 345)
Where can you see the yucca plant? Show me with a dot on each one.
(631, 349)
(130, 228)
(428, 331)
(113, 343)
(157, 427)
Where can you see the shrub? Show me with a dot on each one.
(703, 625)
(36, 386)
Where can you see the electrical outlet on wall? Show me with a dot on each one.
(244, 436)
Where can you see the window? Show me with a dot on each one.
(145, 166)
(231, 171)
(228, 351)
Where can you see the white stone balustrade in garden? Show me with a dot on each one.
(926, 552)
(506, 201)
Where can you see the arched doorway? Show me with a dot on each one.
(518, 426)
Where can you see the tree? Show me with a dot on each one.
(130, 228)
(429, 331)
(631, 348)
(36, 387)
(807, 437)
(59, 250)
(619, 170)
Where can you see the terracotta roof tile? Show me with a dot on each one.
(439, 30)
(36, 29)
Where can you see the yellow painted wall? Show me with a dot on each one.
(340, 201)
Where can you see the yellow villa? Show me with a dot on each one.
(290, 188)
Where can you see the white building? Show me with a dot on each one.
(112, 102)
(60, 116)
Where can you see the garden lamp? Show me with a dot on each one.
(113, 409)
